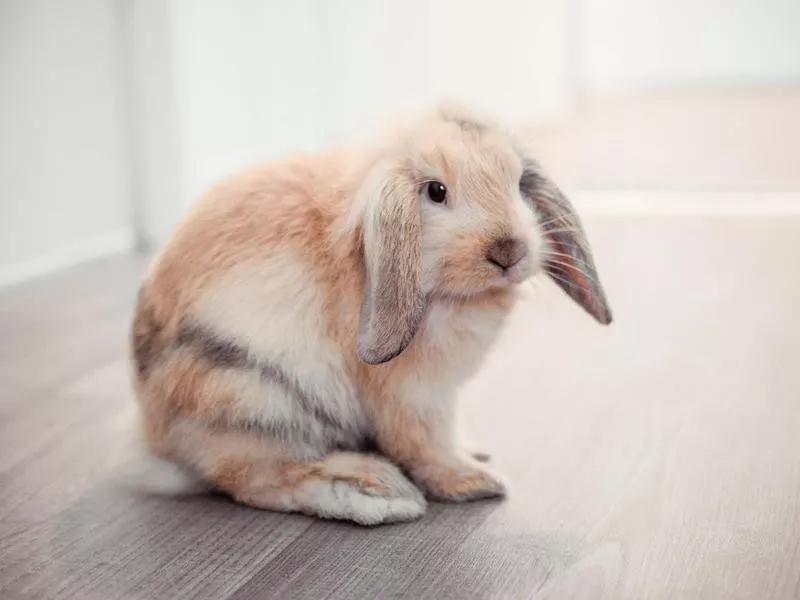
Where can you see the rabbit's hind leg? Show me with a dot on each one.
(255, 471)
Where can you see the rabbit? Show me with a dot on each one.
(299, 342)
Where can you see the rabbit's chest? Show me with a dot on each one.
(457, 338)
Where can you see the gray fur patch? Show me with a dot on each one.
(469, 126)
(212, 347)
(315, 425)
(147, 337)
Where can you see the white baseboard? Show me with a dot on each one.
(112, 242)
(668, 203)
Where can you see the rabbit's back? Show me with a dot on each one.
(252, 285)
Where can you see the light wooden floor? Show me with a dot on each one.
(658, 458)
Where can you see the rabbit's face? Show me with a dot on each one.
(477, 230)
(448, 211)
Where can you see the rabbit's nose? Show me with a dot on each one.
(506, 252)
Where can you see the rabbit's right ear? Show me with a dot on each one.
(393, 303)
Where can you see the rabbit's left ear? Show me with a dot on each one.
(567, 256)
(393, 303)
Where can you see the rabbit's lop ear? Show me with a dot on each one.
(393, 304)
(567, 257)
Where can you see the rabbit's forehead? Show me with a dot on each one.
(470, 159)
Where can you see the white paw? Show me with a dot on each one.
(367, 509)
(378, 494)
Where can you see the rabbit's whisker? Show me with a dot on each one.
(577, 260)
(574, 268)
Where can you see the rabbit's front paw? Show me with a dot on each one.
(459, 482)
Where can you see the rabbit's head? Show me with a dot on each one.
(453, 209)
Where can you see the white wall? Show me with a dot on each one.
(626, 45)
(508, 57)
(378, 59)
(153, 128)
(64, 184)
(253, 80)
(248, 83)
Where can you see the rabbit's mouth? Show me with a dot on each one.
(486, 278)
(518, 273)
(516, 269)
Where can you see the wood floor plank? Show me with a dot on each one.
(73, 525)
(333, 560)
(60, 327)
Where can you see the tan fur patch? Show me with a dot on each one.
(286, 207)
(185, 386)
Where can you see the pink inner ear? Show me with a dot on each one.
(566, 257)
(569, 262)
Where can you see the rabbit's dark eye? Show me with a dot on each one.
(436, 191)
